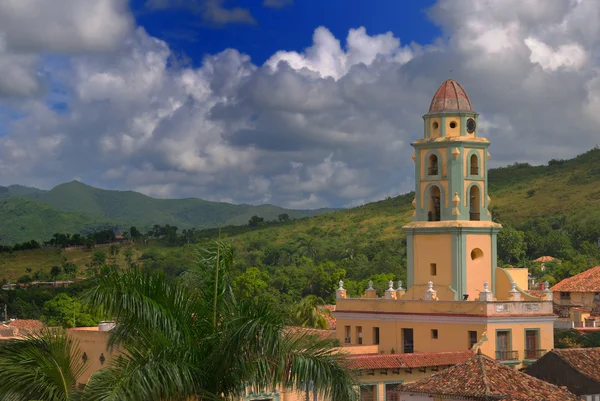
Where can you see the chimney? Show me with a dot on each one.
(542, 286)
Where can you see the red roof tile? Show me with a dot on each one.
(543, 259)
(584, 360)
(536, 293)
(406, 361)
(27, 324)
(482, 378)
(588, 281)
(330, 319)
(450, 96)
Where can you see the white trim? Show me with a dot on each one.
(391, 317)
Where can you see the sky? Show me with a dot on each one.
(298, 103)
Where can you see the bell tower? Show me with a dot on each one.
(452, 239)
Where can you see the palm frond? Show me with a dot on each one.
(42, 366)
(139, 299)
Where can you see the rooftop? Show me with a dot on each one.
(450, 96)
(544, 259)
(482, 378)
(588, 281)
(407, 361)
(584, 360)
(28, 324)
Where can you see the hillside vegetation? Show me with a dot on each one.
(29, 213)
(545, 210)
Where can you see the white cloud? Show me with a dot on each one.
(327, 126)
(569, 56)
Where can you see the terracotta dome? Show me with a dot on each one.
(450, 96)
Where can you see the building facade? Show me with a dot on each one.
(456, 296)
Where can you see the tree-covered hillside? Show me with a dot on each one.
(75, 207)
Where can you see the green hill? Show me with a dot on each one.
(74, 206)
(568, 190)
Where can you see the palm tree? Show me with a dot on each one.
(42, 366)
(185, 342)
(310, 312)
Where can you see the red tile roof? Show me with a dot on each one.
(450, 96)
(584, 360)
(588, 281)
(27, 324)
(536, 293)
(406, 361)
(330, 319)
(543, 259)
(482, 378)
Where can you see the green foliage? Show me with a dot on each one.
(571, 338)
(511, 245)
(174, 350)
(66, 312)
(311, 313)
(43, 366)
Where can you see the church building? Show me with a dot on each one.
(456, 298)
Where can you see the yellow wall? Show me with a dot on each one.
(453, 131)
(520, 276)
(451, 336)
(480, 269)
(585, 299)
(432, 248)
(94, 343)
(503, 283)
(517, 337)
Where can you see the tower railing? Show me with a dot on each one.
(474, 216)
(474, 170)
(433, 170)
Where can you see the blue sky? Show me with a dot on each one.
(287, 28)
(311, 104)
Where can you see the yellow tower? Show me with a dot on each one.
(452, 239)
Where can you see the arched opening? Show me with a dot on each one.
(474, 165)
(475, 202)
(434, 204)
(433, 165)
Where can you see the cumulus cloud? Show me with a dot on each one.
(330, 125)
(28, 28)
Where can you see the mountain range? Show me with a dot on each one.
(30, 213)
(519, 192)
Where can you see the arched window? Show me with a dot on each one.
(474, 165)
(475, 202)
(434, 204)
(433, 165)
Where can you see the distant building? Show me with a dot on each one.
(578, 369)
(20, 327)
(577, 299)
(483, 379)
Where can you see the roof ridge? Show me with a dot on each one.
(486, 384)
